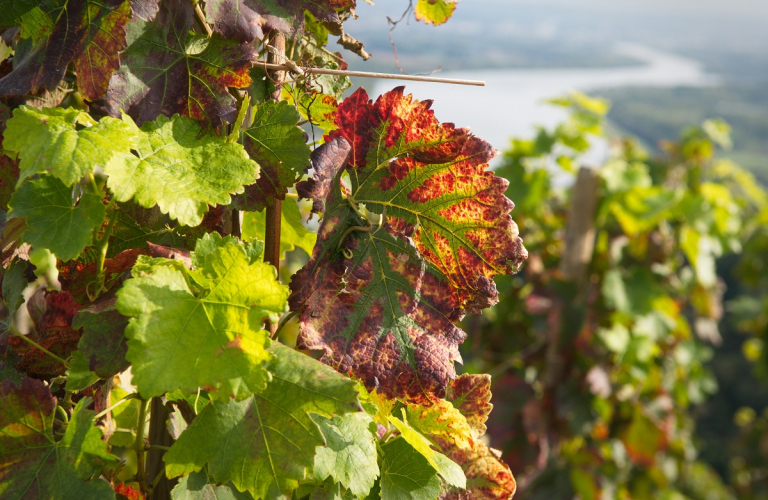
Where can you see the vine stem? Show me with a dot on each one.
(37, 346)
(139, 448)
(101, 247)
(274, 211)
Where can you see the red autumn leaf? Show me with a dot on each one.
(381, 299)
(165, 70)
(87, 32)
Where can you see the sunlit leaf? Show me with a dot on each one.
(379, 299)
(208, 336)
(265, 443)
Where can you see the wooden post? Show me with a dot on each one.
(273, 213)
(580, 231)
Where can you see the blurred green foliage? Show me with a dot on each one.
(596, 373)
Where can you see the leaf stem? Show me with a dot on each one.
(34, 344)
(101, 247)
(157, 447)
(63, 414)
(133, 395)
(94, 185)
(201, 17)
(138, 447)
(283, 322)
(244, 105)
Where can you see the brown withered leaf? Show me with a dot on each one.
(382, 300)
(327, 160)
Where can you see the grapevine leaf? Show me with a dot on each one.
(350, 454)
(235, 19)
(165, 70)
(488, 478)
(48, 140)
(280, 148)
(125, 417)
(448, 469)
(14, 283)
(434, 11)
(79, 375)
(186, 338)
(238, 17)
(200, 486)
(406, 474)
(318, 108)
(292, 232)
(32, 463)
(103, 344)
(53, 222)
(327, 160)
(382, 303)
(264, 443)
(471, 395)
(145, 9)
(312, 52)
(207, 245)
(180, 169)
(440, 420)
(89, 33)
(328, 490)
(11, 11)
(643, 439)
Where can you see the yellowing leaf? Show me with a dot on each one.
(440, 420)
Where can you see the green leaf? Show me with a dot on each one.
(79, 375)
(292, 232)
(407, 278)
(211, 337)
(34, 465)
(125, 417)
(180, 169)
(349, 456)
(280, 148)
(200, 486)
(434, 11)
(166, 70)
(48, 141)
(88, 33)
(53, 221)
(265, 443)
(11, 11)
(210, 242)
(445, 467)
(14, 284)
(406, 474)
(318, 108)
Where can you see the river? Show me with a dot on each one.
(512, 102)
